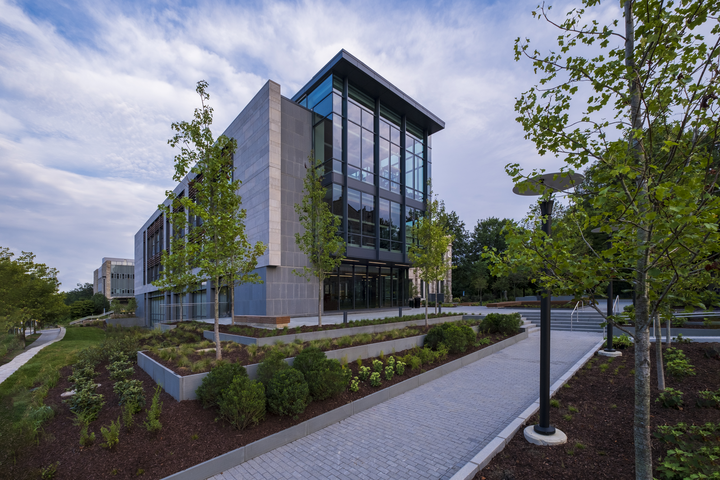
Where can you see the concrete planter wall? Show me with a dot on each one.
(164, 327)
(243, 454)
(183, 387)
(690, 332)
(336, 333)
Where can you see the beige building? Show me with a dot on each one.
(115, 278)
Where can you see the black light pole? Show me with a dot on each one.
(544, 427)
(543, 433)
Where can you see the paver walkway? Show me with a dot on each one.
(430, 432)
(47, 337)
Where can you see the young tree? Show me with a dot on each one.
(320, 240)
(651, 121)
(428, 256)
(218, 230)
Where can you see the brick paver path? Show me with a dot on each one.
(430, 432)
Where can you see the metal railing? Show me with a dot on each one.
(576, 312)
(173, 312)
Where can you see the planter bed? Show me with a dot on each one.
(181, 383)
(600, 433)
(315, 333)
(190, 437)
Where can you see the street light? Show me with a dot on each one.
(609, 351)
(545, 185)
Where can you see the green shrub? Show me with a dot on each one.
(217, 381)
(692, 451)
(327, 380)
(152, 423)
(121, 369)
(457, 337)
(400, 367)
(708, 399)
(414, 362)
(128, 415)
(375, 379)
(86, 439)
(505, 324)
(131, 394)
(674, 354)
(85, 401)
(287, 393)
(354, 385)
(364, 373)
(670, 398)
(273, 363)
(242, 403)
(680, 368)
(389, 372)
(377, 366)
(426, 356)
(111, 434)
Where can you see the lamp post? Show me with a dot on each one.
(609, 351)
(543, 433)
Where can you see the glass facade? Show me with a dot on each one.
(377, 162)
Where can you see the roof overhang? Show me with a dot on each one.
(370, 82)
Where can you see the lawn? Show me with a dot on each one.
(11, 346)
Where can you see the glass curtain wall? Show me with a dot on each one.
(389, 146)
(358, 287)
(157, 313)
(414, 163)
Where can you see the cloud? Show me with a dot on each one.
(86, 105)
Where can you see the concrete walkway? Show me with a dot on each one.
(46, 338)
(430, 432)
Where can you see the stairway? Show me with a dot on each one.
(528, 325)
(560, 320)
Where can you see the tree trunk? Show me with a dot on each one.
(437, 295)
(232, 302)
(427, 294)
(218, 349)
(658, 355)
(320, 289)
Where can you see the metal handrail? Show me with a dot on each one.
(614, 307)
(576, 311)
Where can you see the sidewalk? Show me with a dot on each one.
(46, 338)
(430, 432)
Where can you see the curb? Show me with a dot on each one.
(25, 357)
(240, 455)
(496, 445)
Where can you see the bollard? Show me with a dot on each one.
(400, 311)
(345, 317)
(439, 309)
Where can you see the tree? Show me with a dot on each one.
(83, 291)
(651, 121)
(428, 254)
(100, 303)
(217, 230)
(28, 291)
(320, 240)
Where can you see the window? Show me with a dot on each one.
(389, 225)
(361, 219)
(389, 150)
(361, 142)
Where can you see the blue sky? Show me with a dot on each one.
(88, 91)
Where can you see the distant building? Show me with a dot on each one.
(375, 145)
(115, 278)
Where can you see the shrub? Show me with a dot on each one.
(622, 342)
(426, 355)
(86, 402)
(400, 367)
(364, 373)
(130, 394)
(377, 365)
(217, 381)
(414, 362)
(287, 393)
(670, 398)
(328, 379)
(680, 368)
(111, 434)
(152, 423)
(691, 450)
(457, 337)
(273, 363)
(681, 339)
(86, 439)
(708, 399)
(506, 324)
(121, 370)
(242, 403)
(128, 415)
(354, 385)
(389, 372)
(375, 379)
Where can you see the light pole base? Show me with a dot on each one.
(557, 438)
(614, 353)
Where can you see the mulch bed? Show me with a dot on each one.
(189, 435)
(239, 354)
(600, 436)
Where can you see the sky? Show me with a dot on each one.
(88, 91)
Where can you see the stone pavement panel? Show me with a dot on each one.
(46, 338)
(430, 432)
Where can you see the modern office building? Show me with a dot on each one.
(115, 278)
(375, 145)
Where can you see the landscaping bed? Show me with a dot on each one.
(189, 433)
(595, 410)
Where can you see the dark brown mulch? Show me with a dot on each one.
(600, 435)
(189, 435)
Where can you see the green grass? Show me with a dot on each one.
(11, 346)
(16, 399)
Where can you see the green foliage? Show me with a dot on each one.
(273, 363)
(400, 367)
(708, 399)
(414, 362)
(354, 385)
(693, 451)
(364, 373)
(554, 403)
(375, 379)
(320, 239)
(287, 393)
(100, 303)
(83, 291)
(505, 324)
(670, 398)
(121, 370)
(86, 439)
(326, 379)
(309, 359)
(49, 471)
(389, 372)
(85, 401)
(111, 434)
(680, 368)
(242, 403)
(82, 308)
(152, 422)
(130, 394)
(128, 415)
(622, 342)
(681, 339)
(426, 356)
(457, 337)
(215, 382)
(377, 365)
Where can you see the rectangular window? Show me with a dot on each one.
(354, 208)
(320, 92)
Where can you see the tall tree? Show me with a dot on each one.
(429, 254)
(83, 291)
(320, 240)
(218, 230)
(650, 118)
